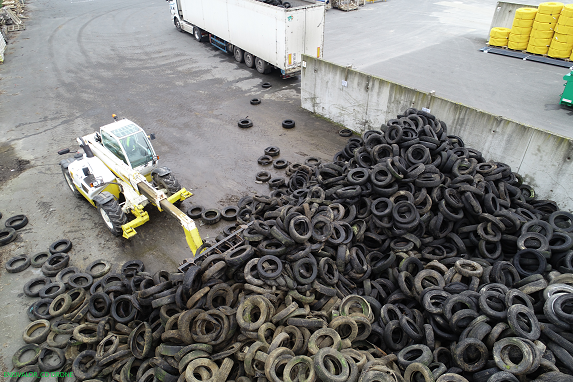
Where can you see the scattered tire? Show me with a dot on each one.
(263, 176)
(245, 123)
(286, 4)
(255, 101)
(276, 182)
(12, 268)
(288, 123)
(195, 212)
(266, 85)
(265, 160)
(16, 222)
(312, 161)
(211, 216)
(345, 133)
(7, 235)
(39, 259)
(62, 245)
(272, 151)
(280, 164)
(229, 213)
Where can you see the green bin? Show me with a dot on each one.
(567, 96)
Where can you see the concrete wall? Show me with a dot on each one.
(367, 102)
(505, 12)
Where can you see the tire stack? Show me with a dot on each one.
(544, 27)
(499, 36)
(521, 28)
(562, 42)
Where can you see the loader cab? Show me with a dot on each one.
(129, 143)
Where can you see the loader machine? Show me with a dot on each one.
(119, 174)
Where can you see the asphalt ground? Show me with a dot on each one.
(79, 61)
(435, 45)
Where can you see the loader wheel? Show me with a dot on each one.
(70, 183)
(112, 216)
(168, 182)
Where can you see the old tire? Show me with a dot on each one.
(112, 216)
(211, 216)
(195, 212)
(169, 182)
(70, 184)
(256, 101)
(16, 221)
(288, 123)
(239, 54)
(7, 235)
(249, 60)
(266, 85)
(245, 123)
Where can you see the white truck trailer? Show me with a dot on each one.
(261, 35)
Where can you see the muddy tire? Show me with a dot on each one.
(168, 182)
(112, 216)
(70, 183)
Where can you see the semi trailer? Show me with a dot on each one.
(261, 35)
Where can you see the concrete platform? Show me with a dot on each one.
(434, 45)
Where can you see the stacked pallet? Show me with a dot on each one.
(521, 28)
(499, 36)
(562, 42)
(544, 27)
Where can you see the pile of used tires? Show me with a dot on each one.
(409, 257)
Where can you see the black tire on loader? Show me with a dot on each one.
(112, 215)
(70, 183)
(168, 182)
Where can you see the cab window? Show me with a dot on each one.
(112, 145)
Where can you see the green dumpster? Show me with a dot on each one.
(567, 96)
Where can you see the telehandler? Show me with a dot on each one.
(119, 174)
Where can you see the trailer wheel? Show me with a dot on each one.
(249, 60)
(239, 55)
(112, 216)
(198, 33)
(230, 48)
(263, 67)
(177, 24)
(70, 183)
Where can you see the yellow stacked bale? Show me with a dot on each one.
(499, 36)
(562, 42)
(521, 28)
(544, 27)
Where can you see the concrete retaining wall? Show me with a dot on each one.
(367, 102)
(504, 14)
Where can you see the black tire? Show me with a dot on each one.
(280, 164)
(7, 235)
(70, 183)
(198, 34)
(266, 85)
(19, 268)
(16, 221)
(211, 216)
(177, 24)
(265, 160)
(112, 216)
(239, 54)
(249, 60)
(39, 259)
(272, 151)
(262, 66)
(288, 123)
(256, 101)
(230, 48)
(54, 248)
(195, 212)
(286, 4)
(263, 176)
(345, 133)
(169, 182)
(229, 213)
(245, 123)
